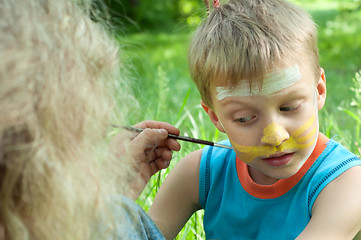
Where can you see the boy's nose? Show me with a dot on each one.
(274, 135)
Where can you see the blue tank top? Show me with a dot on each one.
(237, 208)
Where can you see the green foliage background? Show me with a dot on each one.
(154, 36)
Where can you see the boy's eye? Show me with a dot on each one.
(289, 108)
(244, 119)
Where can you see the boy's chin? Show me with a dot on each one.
(288, 170)
(278, 173)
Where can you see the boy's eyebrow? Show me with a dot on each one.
(238, 101)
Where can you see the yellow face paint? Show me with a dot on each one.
(273, 136)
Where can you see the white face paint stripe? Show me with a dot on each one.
(272, 83)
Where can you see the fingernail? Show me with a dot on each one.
(163, 131)
(166, 163)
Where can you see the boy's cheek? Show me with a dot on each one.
(246, 157)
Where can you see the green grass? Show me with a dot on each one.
(162, 85)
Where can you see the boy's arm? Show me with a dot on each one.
(336, 213)
(178, 197)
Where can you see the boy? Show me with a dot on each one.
(256, 66)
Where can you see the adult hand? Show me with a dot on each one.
(152, 147)
(151, 151)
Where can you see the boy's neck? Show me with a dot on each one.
(260, 178)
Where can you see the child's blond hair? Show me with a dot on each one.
(243, 39)
(57, 75)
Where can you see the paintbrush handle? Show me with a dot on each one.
(190, 139)
(183, 138)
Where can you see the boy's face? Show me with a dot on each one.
(275, 130)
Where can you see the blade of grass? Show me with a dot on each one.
(183, 104)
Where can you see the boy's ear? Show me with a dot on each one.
(213, 116)
(321, 90)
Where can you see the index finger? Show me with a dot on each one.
(158, 125)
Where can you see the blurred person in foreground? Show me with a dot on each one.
(59, 177)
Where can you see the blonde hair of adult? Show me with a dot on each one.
(244, 39)
(57, 75)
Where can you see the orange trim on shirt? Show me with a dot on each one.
(283, 185)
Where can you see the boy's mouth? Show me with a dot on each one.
(279, 159)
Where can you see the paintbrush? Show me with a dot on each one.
(182, 138)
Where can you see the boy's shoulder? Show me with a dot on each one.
(195, 157)
(188, 167)
(334, 161)
(215, 150)
(216, 155)
(335, 157)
